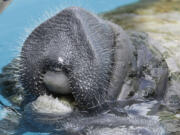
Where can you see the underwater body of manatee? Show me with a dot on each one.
(100, 71)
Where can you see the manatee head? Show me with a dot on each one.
(76, 53)
(71, 53)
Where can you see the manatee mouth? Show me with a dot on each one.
(58, 84)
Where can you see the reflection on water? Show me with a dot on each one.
(113, 122)
(3, 113)
(35, 133)
(4, 101)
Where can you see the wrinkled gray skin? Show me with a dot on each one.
(82, 48)
(92, 58)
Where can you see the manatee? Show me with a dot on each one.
(76, 53)
(96, 65)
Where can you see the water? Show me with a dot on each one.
(23, 14)
(34, 133)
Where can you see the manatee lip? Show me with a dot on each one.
(58, 85)
(57, 82)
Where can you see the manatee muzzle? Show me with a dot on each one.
(57, 82)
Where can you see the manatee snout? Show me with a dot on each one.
(94, 57)
(57, 82)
